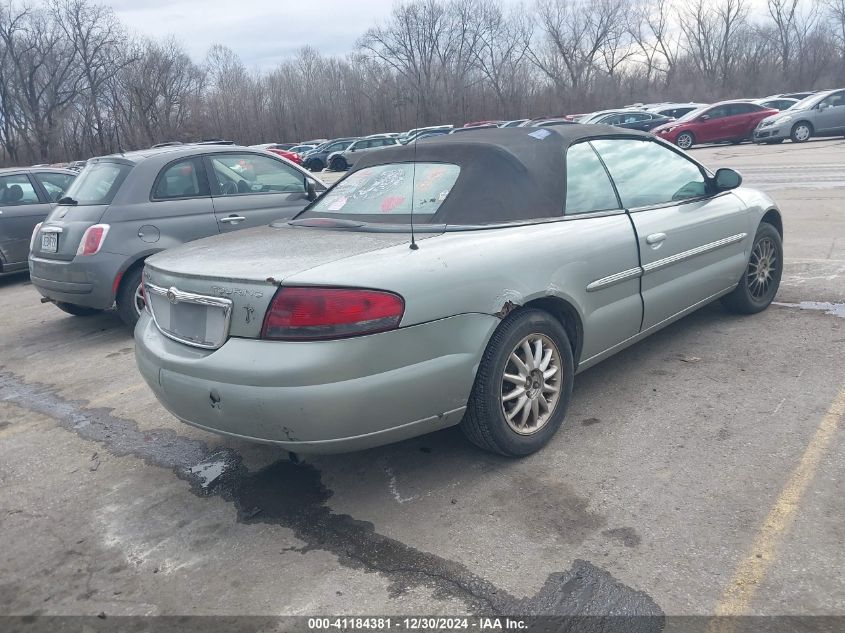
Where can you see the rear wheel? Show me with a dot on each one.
(339, 164)
(761, 279)
(801, 132)
(685, 140)
(130, 299)
(523, 385)
(314, 165)
(76, 310)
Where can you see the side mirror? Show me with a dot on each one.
(311, 189)
(704, 117)
(823, 105)
(727, 179)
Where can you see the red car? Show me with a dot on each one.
(286, 154)
(732, 121)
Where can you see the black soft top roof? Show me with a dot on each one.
(507, 174)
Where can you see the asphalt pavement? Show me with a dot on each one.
(699, 472)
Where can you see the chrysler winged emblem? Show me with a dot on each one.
(171, 296)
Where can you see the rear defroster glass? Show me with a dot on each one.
(98, 183)
(390, 190)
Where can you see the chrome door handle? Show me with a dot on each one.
(655, 238)
(233, 219)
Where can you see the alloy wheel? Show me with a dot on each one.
(684, 141)
(531, 384)
(762, 267)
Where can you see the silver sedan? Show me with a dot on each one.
(462, 281)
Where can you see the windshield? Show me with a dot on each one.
(384, 193)
(98, 183)
(692, 114)
(807, 102)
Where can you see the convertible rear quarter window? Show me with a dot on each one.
(588, 187)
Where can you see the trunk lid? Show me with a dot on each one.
(245, 268)
(269, 252)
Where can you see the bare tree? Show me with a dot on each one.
(655, 30)
(96, 37)
(502, 55)
(836, 14)
(713, 37)
(577, 35)
(44, 72)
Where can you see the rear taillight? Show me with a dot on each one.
(92, 239)
(34, 235)
(303, 314)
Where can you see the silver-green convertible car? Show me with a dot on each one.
(464, 280)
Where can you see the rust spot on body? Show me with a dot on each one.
(509, 307)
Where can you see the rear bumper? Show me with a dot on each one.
(89, 283)
(323, 396)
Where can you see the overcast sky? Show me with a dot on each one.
(262, 32)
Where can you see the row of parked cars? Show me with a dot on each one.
(797, 116)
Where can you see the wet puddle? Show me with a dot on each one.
(836, 309)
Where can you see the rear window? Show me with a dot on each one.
(55, 183)
(387, 191)
(98, 183)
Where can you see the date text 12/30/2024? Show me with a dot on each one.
(376, 624)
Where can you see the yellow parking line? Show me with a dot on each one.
(750, 572)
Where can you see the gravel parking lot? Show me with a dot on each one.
(699, 472)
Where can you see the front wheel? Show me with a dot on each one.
(523, 385)
(76, 310)
(130, 297)
(314, 165)
(685, 140)
(761, 279)
(801, 132)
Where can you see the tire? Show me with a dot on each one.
(315, 165)
(776, 142)
(77, 310)
(339, 164)
(485, 422)
(129, 302)
(753, 294)
(801, 132)
(685, 140)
